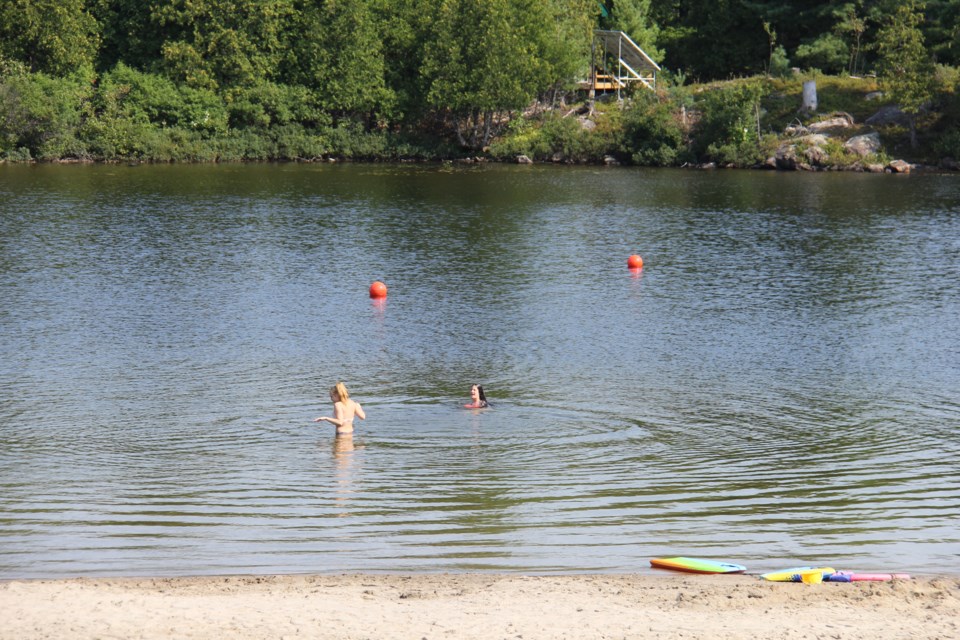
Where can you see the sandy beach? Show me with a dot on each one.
(476, 606)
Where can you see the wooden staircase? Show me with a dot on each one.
(619, 62)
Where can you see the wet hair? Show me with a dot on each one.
(341, 392)
(480, 394)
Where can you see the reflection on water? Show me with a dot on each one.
(344, 449)
(776, 387)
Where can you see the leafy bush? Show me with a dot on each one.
(42, 114)
(653, 136)
(948, 145)
(269, 104)
(727, 130)
(828, 53)
(126, 93)
(564, 136)
(17, 155)
(522, 137)
(554, 135)
(779, 63)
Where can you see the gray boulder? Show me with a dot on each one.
(899, 166)
(887, 115)
(864, 145)
(816, 156)
(950, 164)
(786, 157)
(815, 139)
(837, 121)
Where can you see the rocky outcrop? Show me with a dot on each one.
(816, 156)
(886, 116)
(815, 139)
(786, 158)
(864, 145)
(950, 164)
(836, 121)
(899, 166)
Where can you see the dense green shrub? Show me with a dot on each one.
(727, 131)
(555, 137)
(652, 133)
(128, 94)
(779, 63)
(564, 136)
(522, 137)
(42, 114)
(828, 53)
(268, 104)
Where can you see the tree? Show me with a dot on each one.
(565, 40)
(905, 68)
(128, 33)
(223, 43)
(338, 52)
(633, 17)
(486, 58)
(854, 23)
(712, 39)
(51, 36)
(404, 33)
(943, 30)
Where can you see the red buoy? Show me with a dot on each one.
(635, 262)
(378, 290)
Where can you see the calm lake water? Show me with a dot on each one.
(780, 385)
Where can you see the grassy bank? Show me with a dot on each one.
(738, 123)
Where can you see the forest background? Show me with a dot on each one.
(241, 80)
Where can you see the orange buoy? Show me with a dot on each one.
(635, 262)
(378, 290)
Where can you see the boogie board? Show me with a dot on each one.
(797, 574)
(696, 565)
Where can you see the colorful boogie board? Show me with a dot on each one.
(696, 565)
(797, 574)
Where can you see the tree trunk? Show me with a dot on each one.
(456, 127)
(475, 128)
(487, 127)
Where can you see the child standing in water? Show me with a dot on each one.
(344, 410)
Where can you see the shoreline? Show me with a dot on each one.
(477, 605)
(943, 167)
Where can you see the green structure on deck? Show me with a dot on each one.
(617, 62)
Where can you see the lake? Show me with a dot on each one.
(778, 386)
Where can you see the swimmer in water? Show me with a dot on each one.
(478, 398)
(344, 410)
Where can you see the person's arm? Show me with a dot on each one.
(337, 412)
(359, 411)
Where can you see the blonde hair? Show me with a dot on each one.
(341, 390)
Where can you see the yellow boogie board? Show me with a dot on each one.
(799, 574)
